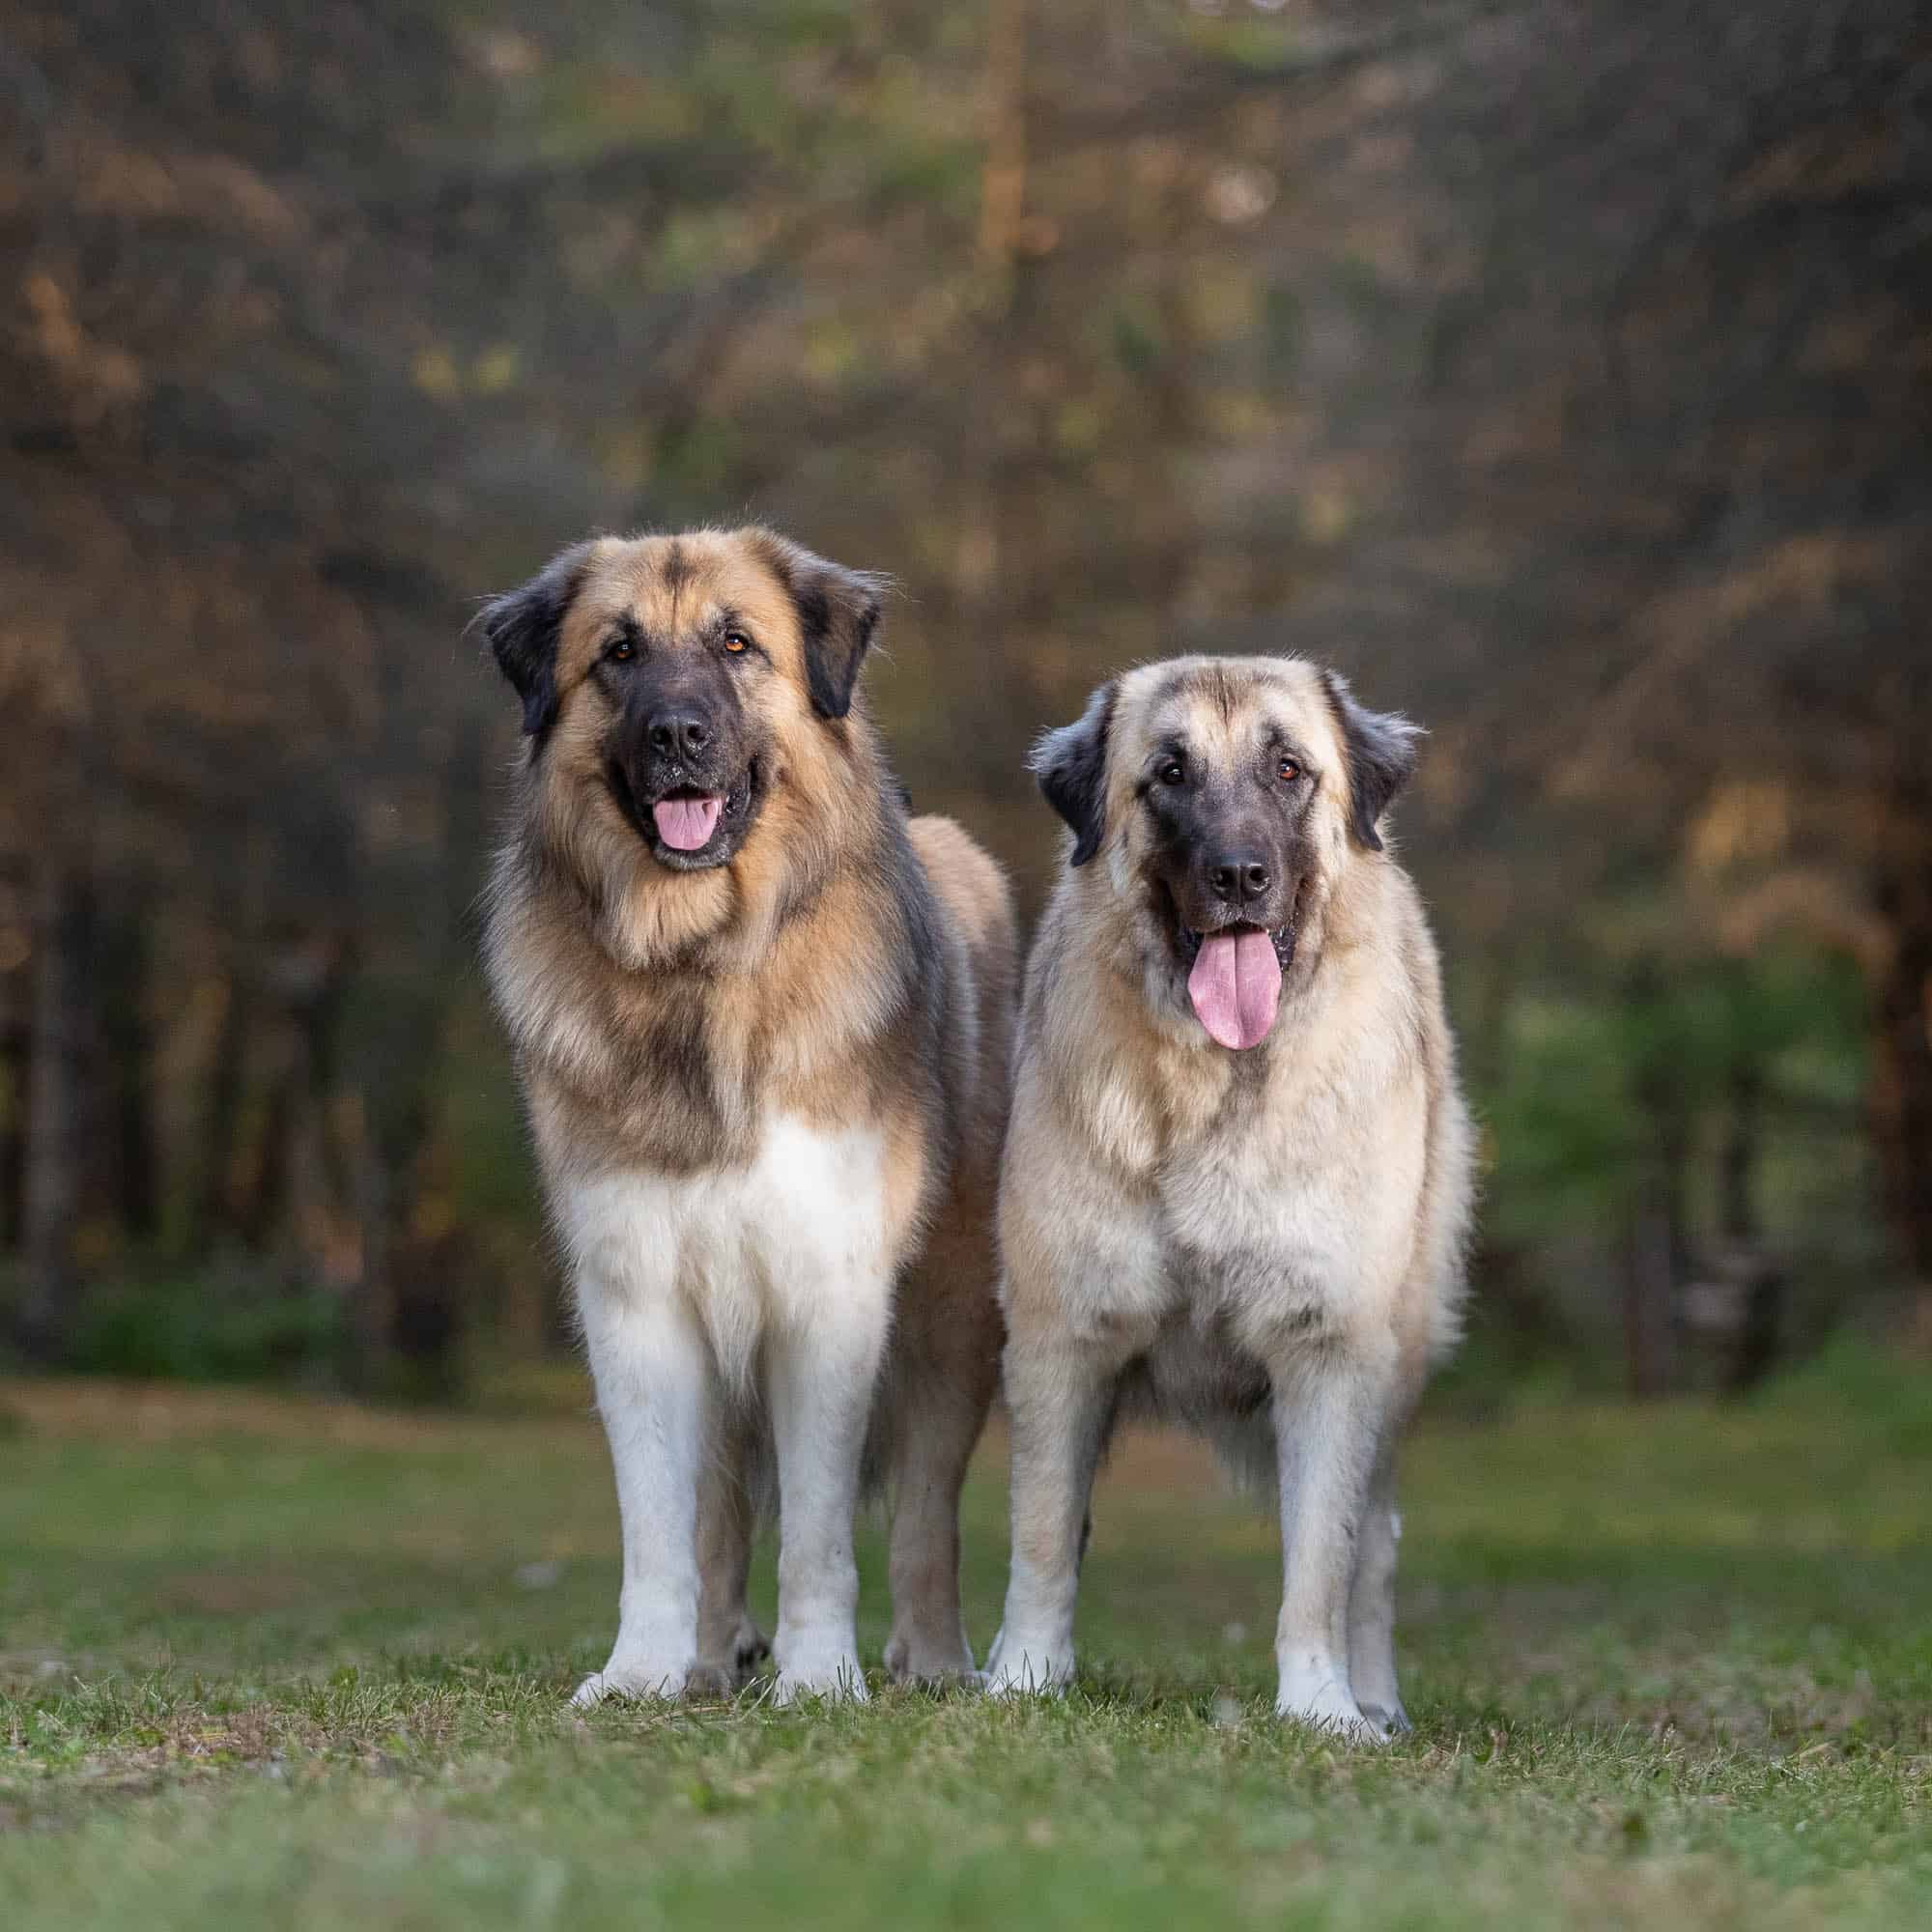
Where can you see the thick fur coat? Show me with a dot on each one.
(1263, 1242)
(763, 1021)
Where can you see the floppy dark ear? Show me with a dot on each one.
(1382, 757)
(838, 612)
(521, 628)
(1071, 767)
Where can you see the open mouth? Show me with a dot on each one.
(686, 818)
(689, 825)
(1280, 937)
(1235, 980)
(1234, 974)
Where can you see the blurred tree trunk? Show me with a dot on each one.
(221, 1116)
(15, 1065)
(1657, 1256)
(372, 1315)
(1003, 183)
(125, 960)
(58, 1107)
(16, 1004)
(1737, 1164)
(1762, 1280)
(399, 1120)
(406, 1319)
(215, 1206)
(1902, 1029)
(1649, 1297)
(993, 470)
(301, 1200)
(265, 1210)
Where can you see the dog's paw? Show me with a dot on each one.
(724, 1672)
(910, 1662)
(1392, 1719)
(645, 1680)
(1017, 1671)
(837, 1680)
(749, 1649)
(1330, 1706)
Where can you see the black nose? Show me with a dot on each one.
(679, 732)
(1238, 877)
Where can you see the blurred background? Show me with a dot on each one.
(1558, 368)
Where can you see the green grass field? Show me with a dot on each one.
(292, 1664)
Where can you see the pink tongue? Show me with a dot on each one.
(684, 824)
(1234, 985)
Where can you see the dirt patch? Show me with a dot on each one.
(234, 1592)
(1138, 1458)
(127, 1412)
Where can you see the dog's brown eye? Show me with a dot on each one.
(1173, 773)
(1289, 771)
(736, 642)
(620, 650)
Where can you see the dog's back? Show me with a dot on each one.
(975, 893)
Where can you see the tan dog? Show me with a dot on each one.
(763, 1024)
(1238, 1171)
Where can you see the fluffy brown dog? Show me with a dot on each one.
(1238, 1175)
(763, 1022)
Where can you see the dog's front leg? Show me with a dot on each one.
(1060, 1394)
(1331, 1403)
(1372, 1674)
(653, 1375)
(823, 1369)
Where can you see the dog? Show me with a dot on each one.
(1239, 1170)
(763, 1021)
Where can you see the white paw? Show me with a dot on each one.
(1028, 1670)
(839, 1681)
(1329, 1706)
(641, 1678)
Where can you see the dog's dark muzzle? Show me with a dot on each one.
(1232, 886)
(686, 779)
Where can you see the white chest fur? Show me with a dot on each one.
(786, 1240)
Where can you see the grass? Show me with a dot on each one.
(284, 1663)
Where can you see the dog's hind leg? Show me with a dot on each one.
(946, 1367)
(933, 1439)
(730, 1646)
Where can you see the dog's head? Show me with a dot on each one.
(1226, 797)
(673, 691)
